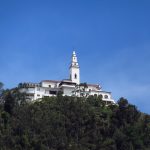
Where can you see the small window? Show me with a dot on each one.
(106, 96)
(75, 76)
(53, 92)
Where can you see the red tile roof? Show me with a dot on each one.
(58, 81)
(55, 81)
(95, 85)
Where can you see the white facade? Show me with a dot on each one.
(69, 87)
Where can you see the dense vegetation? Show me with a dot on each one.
(70, 123)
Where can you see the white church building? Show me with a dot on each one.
(68, 87)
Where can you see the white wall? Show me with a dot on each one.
(73, 71)
(49, 84)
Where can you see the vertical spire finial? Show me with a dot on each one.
(74, 53)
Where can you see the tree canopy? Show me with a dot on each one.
(71, 123)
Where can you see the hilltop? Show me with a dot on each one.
(71, 123)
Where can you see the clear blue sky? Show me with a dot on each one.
(111, 38)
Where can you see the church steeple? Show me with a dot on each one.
(74, 60)
(74, 69)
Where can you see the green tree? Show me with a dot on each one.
(71, 123)
(9, 103)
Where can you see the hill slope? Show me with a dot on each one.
(71, 123)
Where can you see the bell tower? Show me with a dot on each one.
(74, 69)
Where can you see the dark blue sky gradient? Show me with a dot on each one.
(111, 39)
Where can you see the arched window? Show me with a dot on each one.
(75, 76)
(106, 96)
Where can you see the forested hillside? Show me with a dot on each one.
(71, 123)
